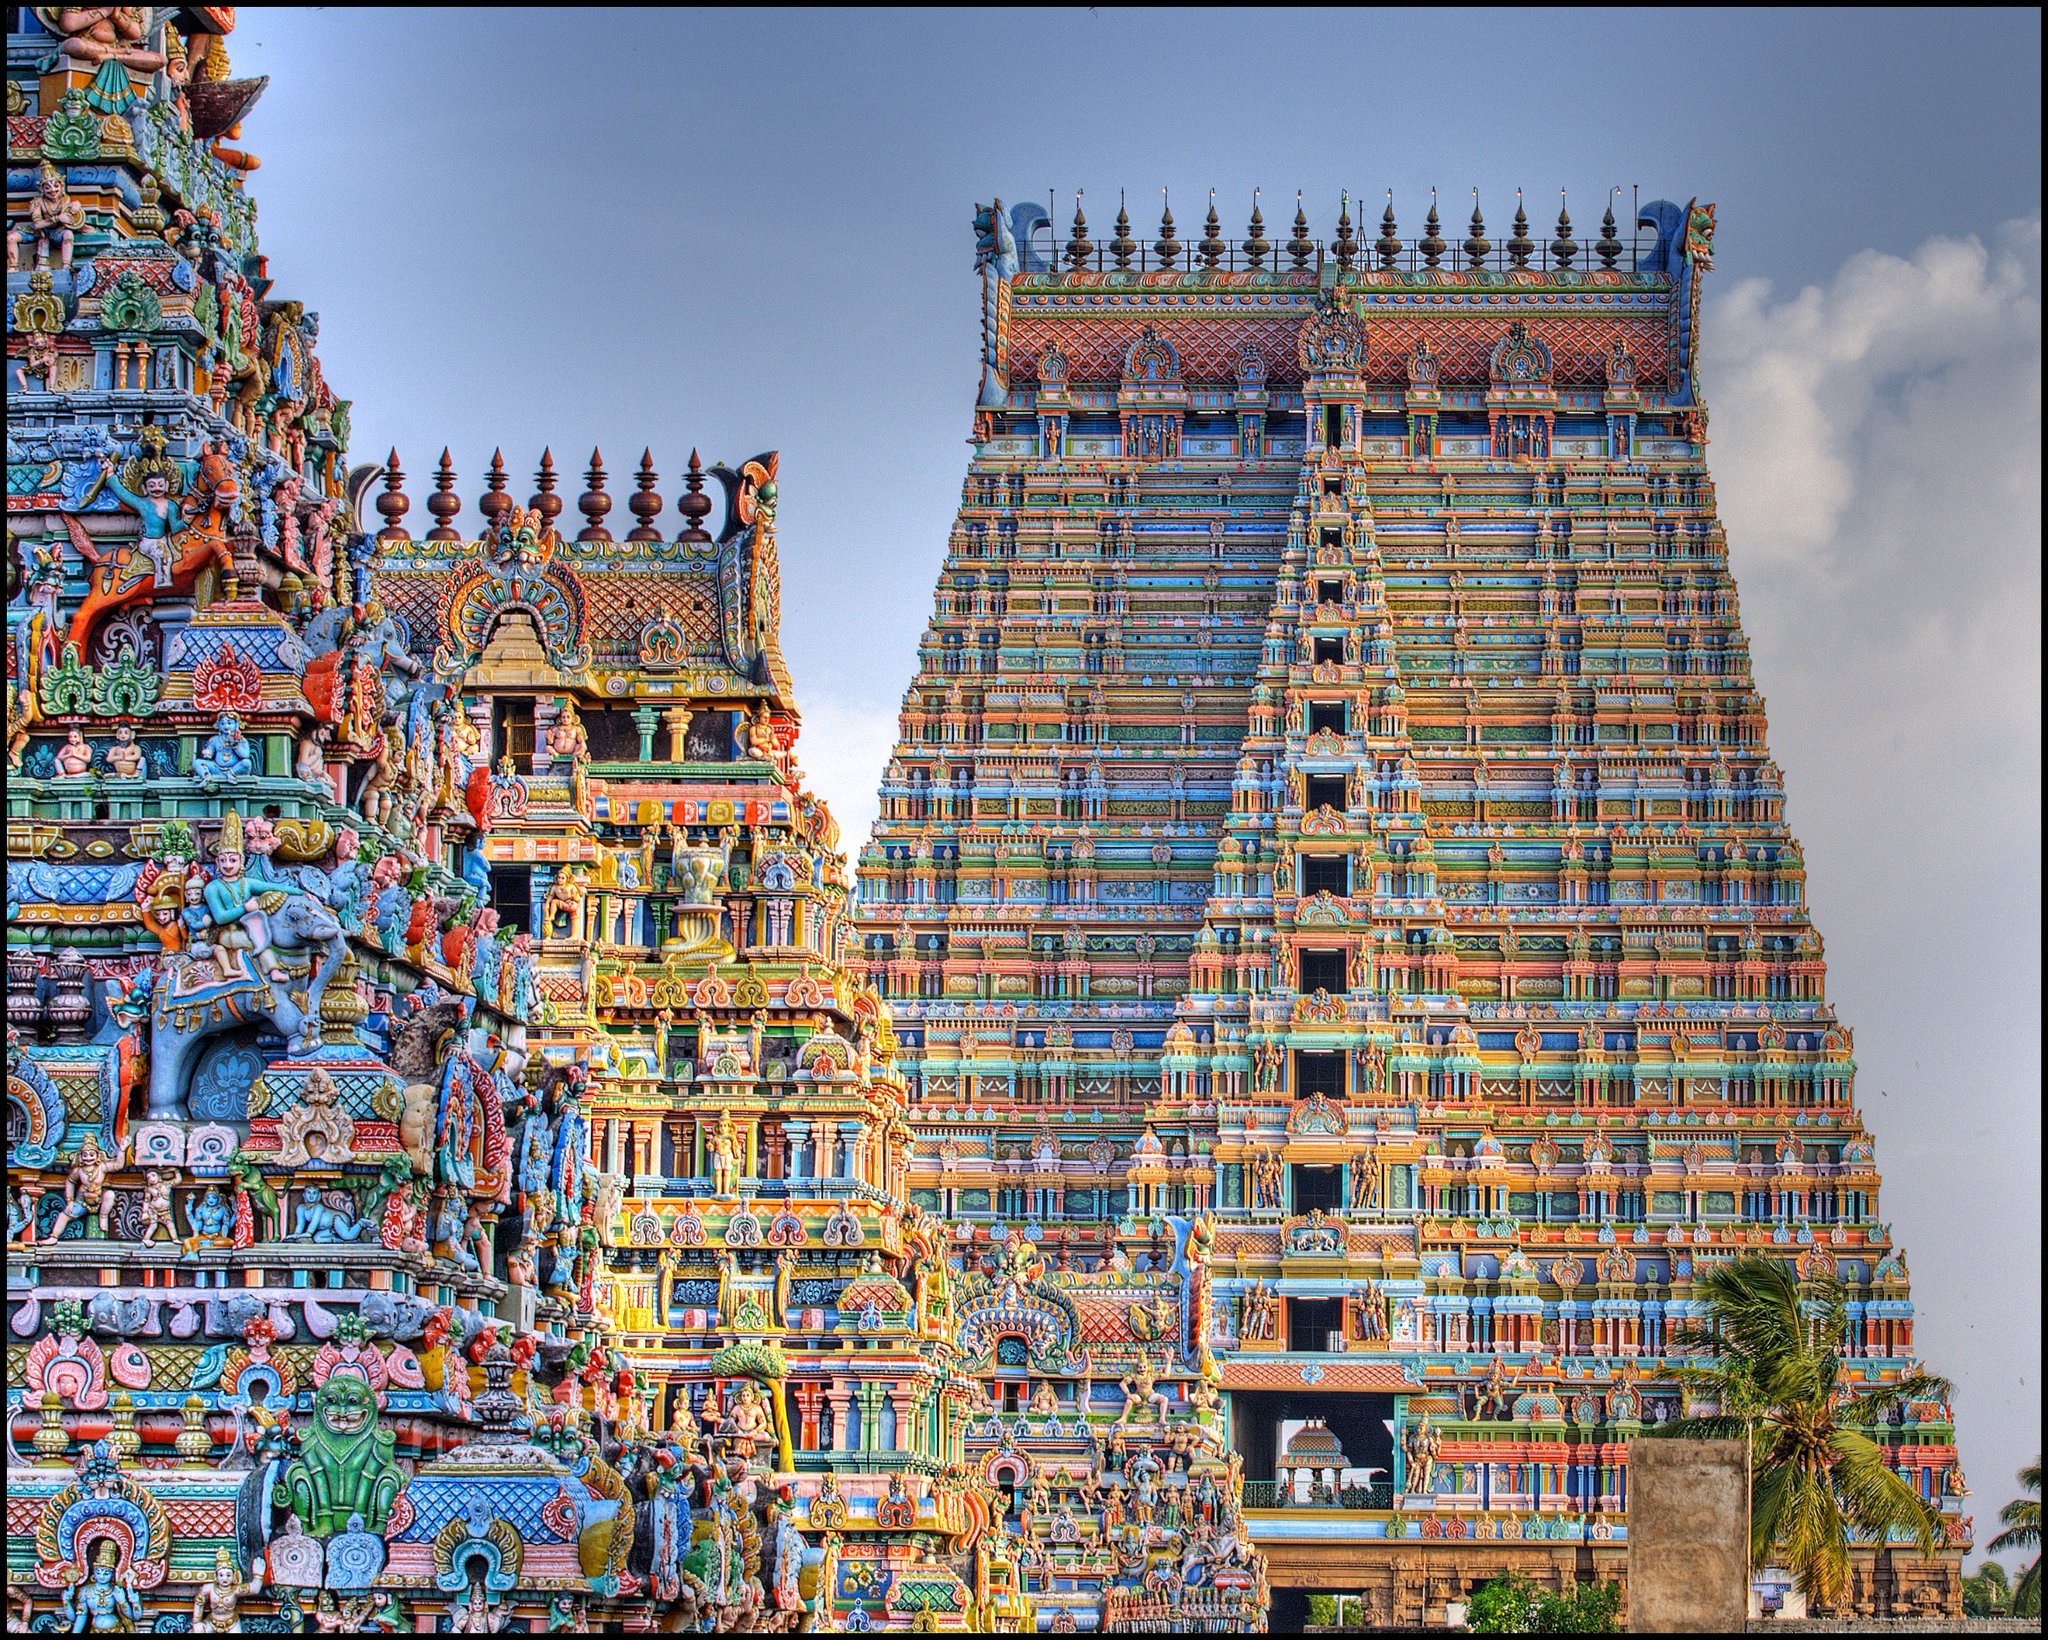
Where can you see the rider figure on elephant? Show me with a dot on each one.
(240, 898)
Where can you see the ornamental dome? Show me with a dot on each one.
(1313, 1446)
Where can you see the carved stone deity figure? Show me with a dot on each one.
(124, 757)
(723, 1148)
(567, 739)
(1261, 1310)
(1365, 1181)
(227, 754)
(86, 1189)
(106, 1602)
(52, 220)
(217, 1605)
(157, 1212)
(241, 897)
(749, 1423)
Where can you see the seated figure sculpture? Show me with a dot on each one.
(227, 754)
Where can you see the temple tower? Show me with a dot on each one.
(1408, 644)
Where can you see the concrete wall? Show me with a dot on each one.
(1895, 1625)
(1688, 1537)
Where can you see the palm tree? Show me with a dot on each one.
(1986, 1593)
(2022, 1518)
(1777, 1380)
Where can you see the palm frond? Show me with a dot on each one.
(1879, 1498)
(1868, 1406)
(2026, 1594)
(1814, 1538)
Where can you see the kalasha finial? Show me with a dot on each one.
(1432, 242)
(1346, 246)
(1563, 247)
(1123, 245)
(1212, 246)
(1079, 249)
(1257, 247)
(1476, 242)
(494, 501)
(1300, 248)
(1520, 245)
(1608, 245)
(545, 501)
(643, 503)
(1389, 246)
(593, 503)
(695, 505)
(444, 503)
(392, 505)
(1166, 247)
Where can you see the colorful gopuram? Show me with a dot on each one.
(1332, 825)
(1330, 971)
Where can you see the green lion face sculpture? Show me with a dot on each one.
(346, 1466)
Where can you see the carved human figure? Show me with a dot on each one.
(478, 1615)
(157, 1213)
(1365, 1181)
(106, 1602)
(212, 1218)
(722, 1147)
(239, 900)
(74, 757)
(227, 754)
(124, 757)
(52, 220)
(218, 1603)
(86, 1189)
(568, 739)
(749, 1423)
(157, 512)
(92, 35)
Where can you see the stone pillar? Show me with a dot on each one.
(677, 721)
(644, 719)
(546, 709)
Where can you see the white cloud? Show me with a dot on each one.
(1877, 451)
(843, 747)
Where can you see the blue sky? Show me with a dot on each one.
(743, 231)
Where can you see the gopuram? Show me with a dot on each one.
(1332, 859)
(1330, 962)
(457, 1178)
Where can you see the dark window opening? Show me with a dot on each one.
(1329, 649)
(1333, 484)
(1318, 1187)
(1333, 537)
(1324, 971)
(512, 897)
(1324, 791)
(1321, 1073)
(709, 738)
(1333, 424)
(1329, 592)
(1326, 874)
(614, 736)
(1326, 715)
(1311, 1322)
(512, 733)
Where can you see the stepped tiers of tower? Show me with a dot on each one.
(1332, 822)
(1330, 972)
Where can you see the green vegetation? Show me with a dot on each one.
(1778, 1380)
(1986, 1593)
(1514, 1605)
(2022, 1521)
